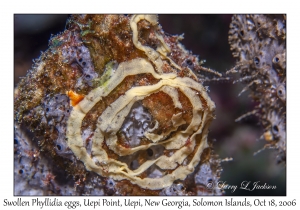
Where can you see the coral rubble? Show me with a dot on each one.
(259, 43)
(118, 107)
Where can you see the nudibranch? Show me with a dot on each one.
(133, 111)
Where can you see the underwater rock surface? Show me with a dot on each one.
(116, 107)
(259, 43)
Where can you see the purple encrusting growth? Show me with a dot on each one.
(136, 124)
(174, 189)
(57, 110)
(78, 54)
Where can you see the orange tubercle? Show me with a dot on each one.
(74, 97)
